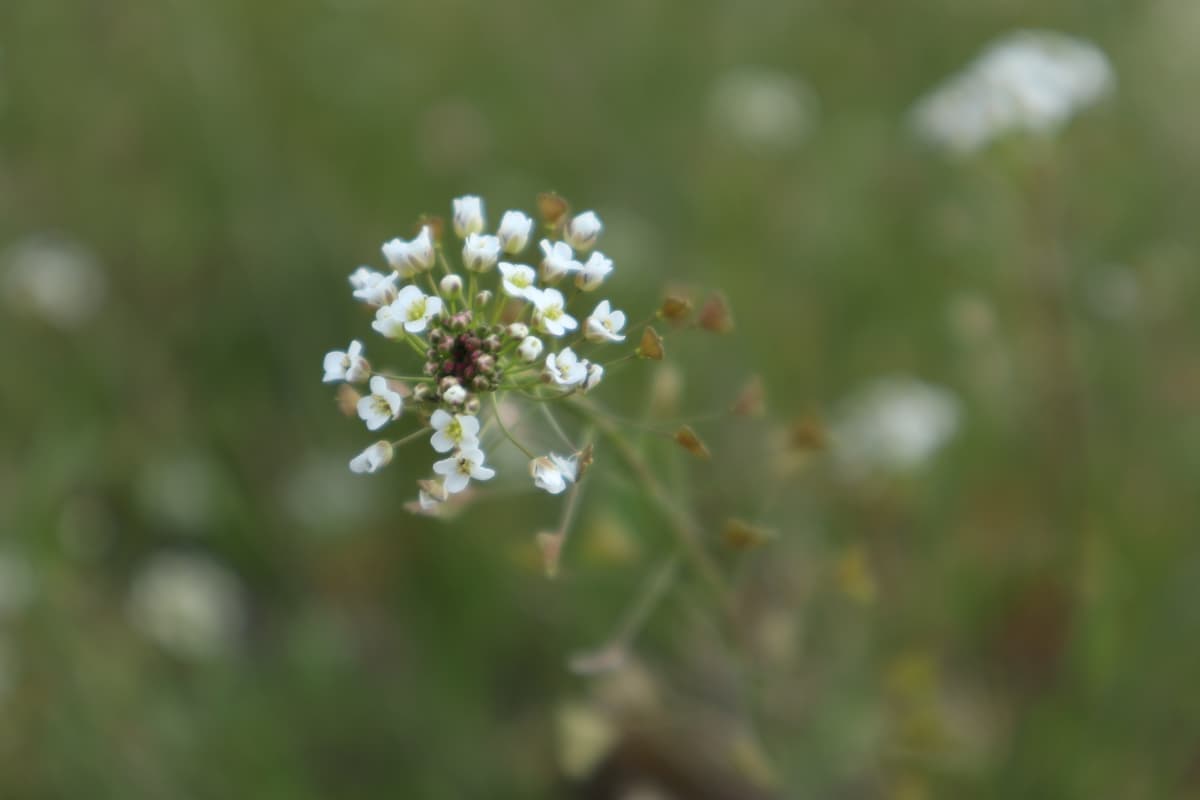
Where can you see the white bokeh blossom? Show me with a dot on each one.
(412, 257)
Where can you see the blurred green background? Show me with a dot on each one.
(197, 600)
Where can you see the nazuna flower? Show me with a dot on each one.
(514, 231)
(349, 366)
(518, 330)
(595, 373)
(558, 259)
(468, 216)
(517, 279)
(460, 468)
(553, 472)
(381, 406)
(530, 348)
(592, 273)
(373, 288)
(480, 252)
(551, 314)
(410, 311)
(604, 324)
(373, 459)
(453, 430)
(565, 368)
(583, 230)
(410, 258)
(451, 285)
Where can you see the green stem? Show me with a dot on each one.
(508, 435)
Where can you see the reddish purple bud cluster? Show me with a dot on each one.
(464, 355)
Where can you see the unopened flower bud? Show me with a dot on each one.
(530, 348)
(451, 285)
(472, 405)
(483, 298)
(446, 382)
(430, 368)
(454, 395)
(485, 363)
(491, 343)
(518, 330)
(481, 383)
(595, 373)
(374, 458)
(421, 392)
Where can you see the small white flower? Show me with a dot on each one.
(558, 260)
(595, 373)
(551, 312)
(410, 258)
(453, 430)
(514, 231)
(468, 216)
(455, 395)
(582, 230)
(593, 272)
(461, 467)
(480, 252)
(349, 366)
(517, 279)
(565, 368)
(451, 285)
(547, 474)
(410, 311)
(373, 459)
(604, 325)
(381, 406)
(530, 348)
(373, 288)
(518, 330)
(426, 501)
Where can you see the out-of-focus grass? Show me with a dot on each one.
(1016, 618)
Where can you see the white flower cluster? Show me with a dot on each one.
(521, 337)
(1030, 81)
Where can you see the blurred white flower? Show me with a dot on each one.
(189, 604)
(595, 374)
(57, 280)
(551, 315)
(894, 424)
(410, 258)
(517, 279)
(762, 109)
(558, 259)
(410, 311)
(373, 288)
(480, 252)
(553, 473)
(468, 216)
(349, 366)
(565, 368)
(605, 324)
(530, 348)
(583, 230)
(373, 459)
(460, 468)
(455, 395)
(454, 430)
(1026, 81)
(513, 233)
(592, 273)
(381, 406)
